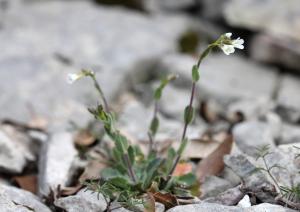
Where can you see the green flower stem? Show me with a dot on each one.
(129, 166)
(150, 134)
(178, 156)
(98, 88)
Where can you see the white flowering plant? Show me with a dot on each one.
(132, 174)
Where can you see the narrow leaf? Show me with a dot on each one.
(195, 73)
(188, 114)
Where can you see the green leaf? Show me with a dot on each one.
(154, 125)
(195, 73)
(182, 146)
(120, 182)
(157, 93)
(188, 114)
(131, 154)
(108, 173)
(121, 142)
(170, 160)
(187, 180)
(117, 155)
(150, 171)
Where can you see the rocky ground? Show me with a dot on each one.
(254, 93)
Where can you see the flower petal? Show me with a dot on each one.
(227, 49)
(228, 35)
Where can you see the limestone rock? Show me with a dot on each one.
(14, 199)
(56, 162)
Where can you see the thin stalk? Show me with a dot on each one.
(129, 166)
(177, 159)
(97, 86)
(150, 135)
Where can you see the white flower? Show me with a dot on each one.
(238, 43)
(230, 45)
(227, 49)
(73, 77)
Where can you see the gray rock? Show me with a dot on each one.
(135, 120)
(169, 5)
(251, 108)
(254, 181)
(290, 134)
(17, 200)
(276, 50)
(212, 186)
(16, 150)
(213, 9)
(56, 162)
(94, 41)
(288, 98)
(83, 201)
(251, 135)
(267, 207)
(230, 176)
(259, 15)
(230, 197)
(212, 207)
(220, 77)
(207, 207)
(173, 102)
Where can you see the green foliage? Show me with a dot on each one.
(188, 114)
(163, 83)
(195, 73)
(131, 173)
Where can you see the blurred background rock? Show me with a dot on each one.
(128, 42)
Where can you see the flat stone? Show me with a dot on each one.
(14, 199)
(288, 98)
(135, 120)
(170, 104)
(207, 207)
(230, 197)
(252, 135)
(212, 186)
(95, 41)
(254, 181)
(251, 108)
(56, 162)
(259, 15)
(83, 201)
(220, 77)
(16, 150)
(268, 207)
(290, 134)
(276, 50)
(169, 5)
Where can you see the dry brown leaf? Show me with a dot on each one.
(84, 138)
(67, 191)
(182, 169)
(168, 200)
(28, 182)
(214, 163)
(92, 170)
(149, 203)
